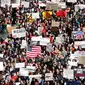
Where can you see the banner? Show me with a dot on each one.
(77, 35)
(49, 77)
(68, 73)
(18, 33)
(5, 2)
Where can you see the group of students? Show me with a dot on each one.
(51, 61)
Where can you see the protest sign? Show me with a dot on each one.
(31, 68)
(79, 6)
(53, 6)
(36, 38)
(35, 15)
(41, 4)
(72, 1)
(5, 2)
(72, 62)
(55, 24)
(37, 76)
(24, 44)
(49, 77)
(23, 72)
(17, 83)
(18, 33)
(68, 73)
(19, 65)
(77, 35)
(79, 43)
(25, 3)
(79, 73)
(1, 55)
(10, 28)
(44, 41)
(81, 60)
(1, 66)
(62, 4)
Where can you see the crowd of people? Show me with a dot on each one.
(54, 56)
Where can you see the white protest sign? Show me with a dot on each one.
(25, 3)
(72, 1)
(5, 2)
(79, 43)
(1, 66)
(1, 55)
(35, 15)
(31, 68)
(24, 44)
(36, 38)
(62, 4)
(68, 73)
(79, 6)
(23, 72)
(14, 5)
(18, 33)
(49, 77)
(38, 77)
(73, 62)
(44, 41)
(17, 83)
(20, 65)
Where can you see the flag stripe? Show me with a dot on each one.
(36, 50)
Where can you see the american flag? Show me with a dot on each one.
(33, 52)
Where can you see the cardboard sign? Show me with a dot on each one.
(1, 66)
(18, 33)
(81, 60)
(19, 65)
(55, 24)
(35, 15)
(5, 2)
(49, 77)
(68, 73)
